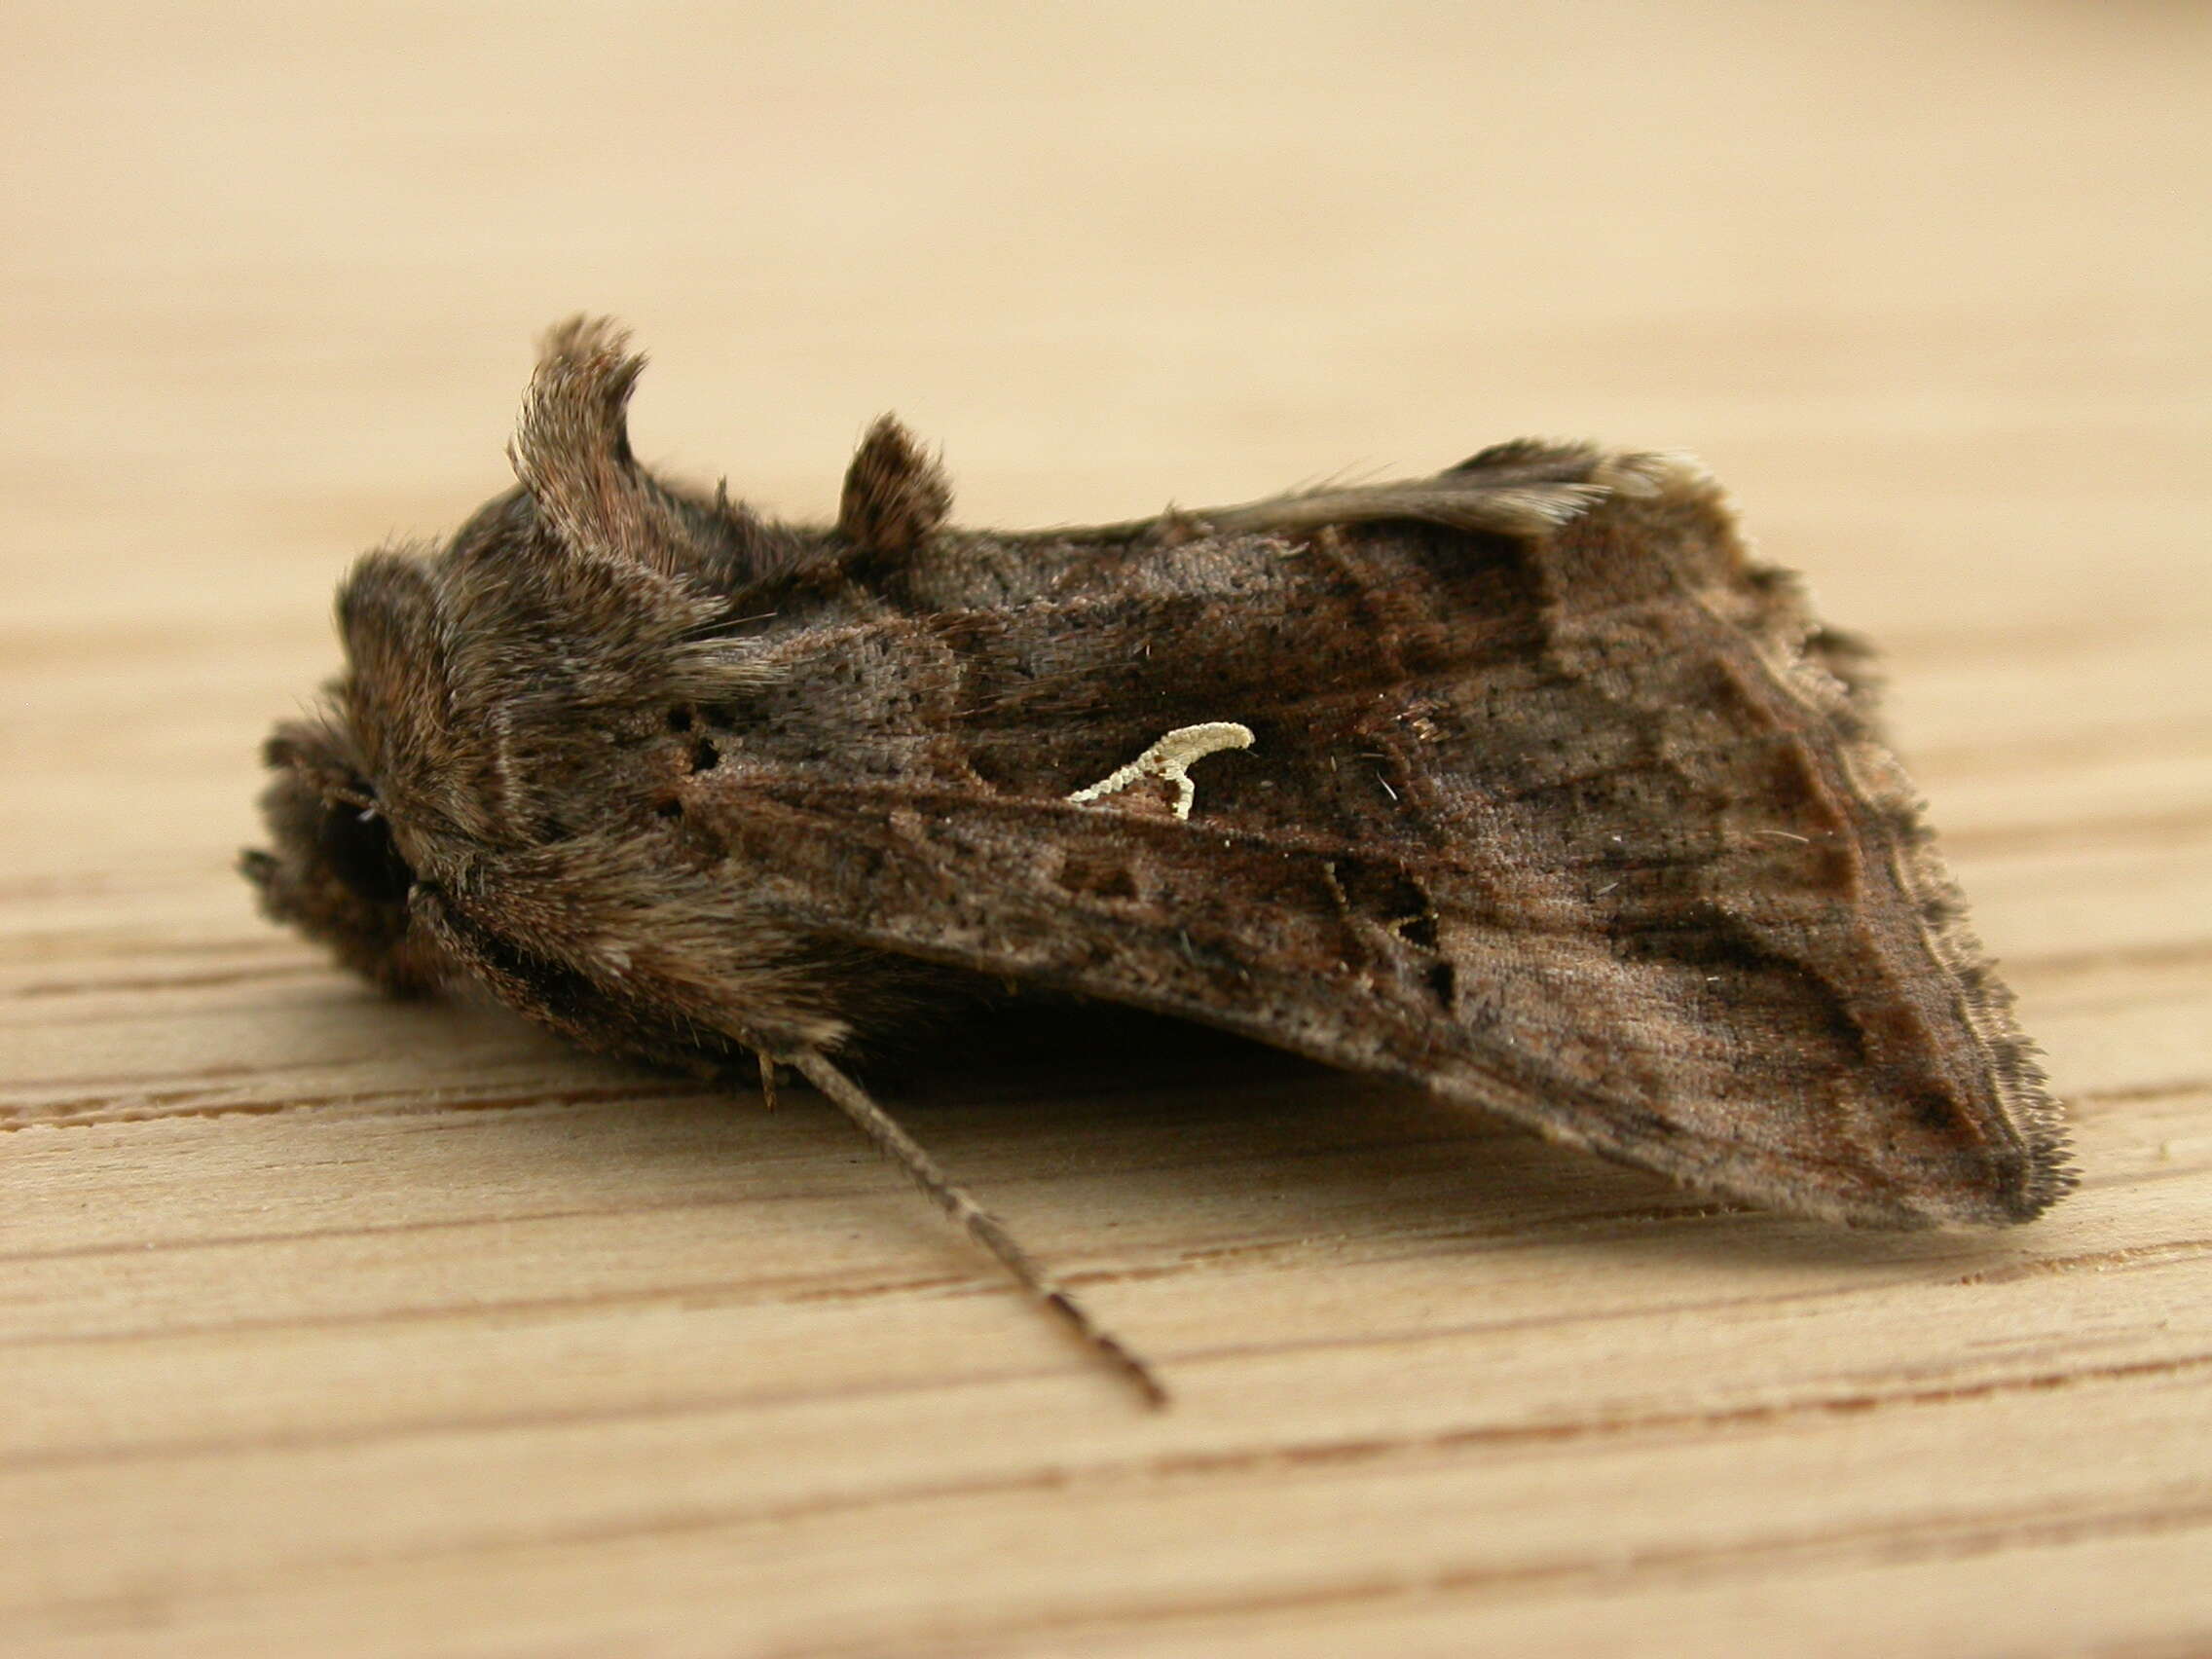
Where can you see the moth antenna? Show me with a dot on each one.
(985, 1228)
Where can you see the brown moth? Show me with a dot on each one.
(1519, 783)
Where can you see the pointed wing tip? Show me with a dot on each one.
(2046, 1175)
(2007, 1189)
(2030, 1167)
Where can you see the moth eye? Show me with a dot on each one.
(680, 719)
(705, 757)
(356, 844)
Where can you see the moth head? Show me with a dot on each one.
(332, 869)
(495, 688)
(359, 799)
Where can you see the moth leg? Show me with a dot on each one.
(972, 1218)
(767, 1077)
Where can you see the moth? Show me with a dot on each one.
(1521, 783)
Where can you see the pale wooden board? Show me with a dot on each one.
(337, 1327)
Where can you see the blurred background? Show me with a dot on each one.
(1925, 282)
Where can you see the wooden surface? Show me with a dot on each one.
(333, 1327)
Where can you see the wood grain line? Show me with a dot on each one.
(1955, 1537)
(86, 1110)
(2187, 954)
(2161, 832)
(2040, 752)
(982, 1283)
(2182, 1508)
(127, 983)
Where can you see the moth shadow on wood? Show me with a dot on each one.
(1521, 783)
(1172, 1114)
